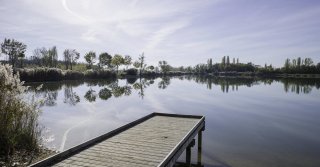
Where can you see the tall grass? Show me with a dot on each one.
(19, 129)
(41, 74)
(55, 74)
(72, 75)
(99, 74)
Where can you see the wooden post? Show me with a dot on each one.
(188, 153)
(199, 147)
(188, 156)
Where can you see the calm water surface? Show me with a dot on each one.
(249, 122)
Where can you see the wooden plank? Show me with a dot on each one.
(155, 140)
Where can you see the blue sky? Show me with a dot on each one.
(180, 31)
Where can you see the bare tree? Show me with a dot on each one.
(70, 57)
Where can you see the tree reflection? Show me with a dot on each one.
(227, 84)
(50, 98)
(90, 95)
(105, 94)
(70, 97)
(118, 91)
(298, 86)
(164, 83)
(141, 85)
(49, 91)
(131, 80)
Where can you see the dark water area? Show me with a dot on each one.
(250, 122)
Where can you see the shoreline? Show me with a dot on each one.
(277, 76)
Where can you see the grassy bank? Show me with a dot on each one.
(259, 74)
(55, 74)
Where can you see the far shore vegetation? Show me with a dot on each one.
(44, 65)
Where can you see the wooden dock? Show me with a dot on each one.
(157, 139)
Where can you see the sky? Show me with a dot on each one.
(182, 32)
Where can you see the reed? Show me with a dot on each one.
(19, 130)
(55, 74)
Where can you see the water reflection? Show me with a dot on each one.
(105, 94)
(50, 98)
(141, 85)
(250, 121)
(295, 85)
(110, 88)
(70, 97)
(300, 85)
(48, 93)
(165, 82)
(119, 91)
(90, 95)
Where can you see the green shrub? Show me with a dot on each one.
(132, 71)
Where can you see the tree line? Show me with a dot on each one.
(48, 57)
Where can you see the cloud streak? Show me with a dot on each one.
(65, 6)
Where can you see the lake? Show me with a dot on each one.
(250, 122)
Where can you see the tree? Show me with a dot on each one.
(287, 64)
(53, 56)
(117, 61)
(66, 57)
(294, 62)
(105, 59)
(142, 64)
(70, 57)
(45, 57)
(90, 58)
(223, 62)
(228, 61)
(136, 64)
(299, 62)
(37, 56)
(210, 66)
(150, 68)
(40, 56)
(127, 61)
(74, 56)
(181, 68)
(13, 49)
(308, 62)
(21, 57)
(164, 66)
